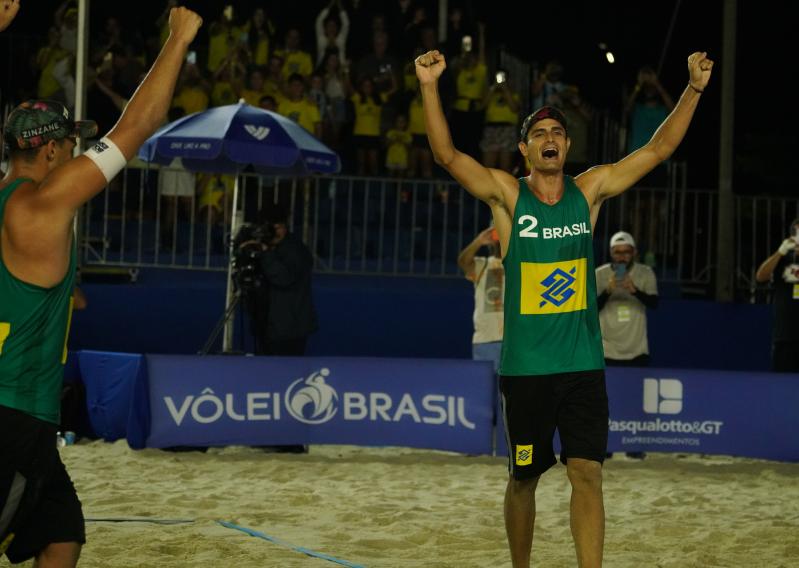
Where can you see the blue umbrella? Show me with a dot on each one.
(230, 138)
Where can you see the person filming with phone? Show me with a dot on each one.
(625, 290)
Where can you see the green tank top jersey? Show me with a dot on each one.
(551, 316)
(34, 323)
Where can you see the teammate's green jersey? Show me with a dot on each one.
(34, 323)
(551, 316)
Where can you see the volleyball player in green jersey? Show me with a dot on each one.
(552, 369)
(40, 514)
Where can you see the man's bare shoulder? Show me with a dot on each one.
(590, 181)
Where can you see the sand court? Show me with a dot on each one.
(397, 507)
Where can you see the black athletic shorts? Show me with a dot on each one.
(534, 406)
(38, 503)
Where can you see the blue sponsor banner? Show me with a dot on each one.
(217, 400)
(711, 412)
(699, 411)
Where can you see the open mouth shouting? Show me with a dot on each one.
(550, 153)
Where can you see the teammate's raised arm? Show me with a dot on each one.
(8, 10)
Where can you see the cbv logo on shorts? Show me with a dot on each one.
(553, 287)
(524, 455)
(662, 396)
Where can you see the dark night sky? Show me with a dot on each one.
(636, 31)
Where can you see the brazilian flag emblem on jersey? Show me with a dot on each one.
(553, 287)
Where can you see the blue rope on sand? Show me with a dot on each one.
(301, 549)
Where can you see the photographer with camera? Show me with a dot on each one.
(272, 269)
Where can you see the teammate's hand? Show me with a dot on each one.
(628, 285)
(788, 245)
(430, 66)
(183, 24)
(611, 284)
(8, 9)
(699, 69)
(485, 237)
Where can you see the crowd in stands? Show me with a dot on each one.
(352, 84)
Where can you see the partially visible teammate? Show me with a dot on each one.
(552, 368)
(40, 514)
(8, 10)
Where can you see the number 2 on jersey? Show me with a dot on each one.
(528, 230)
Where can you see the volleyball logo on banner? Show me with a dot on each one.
(312, 400)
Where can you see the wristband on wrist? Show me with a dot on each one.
(695, 89)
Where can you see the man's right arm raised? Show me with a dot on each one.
(77, 181)
(484, 183)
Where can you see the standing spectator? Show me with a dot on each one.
(336, 85)
(228, 79)
(457, 27)
(488, 276)
(647, 107)
(295, 60)
(192, 92)
(317, 95)
(225, 37)
(398, 142)
(176, 186)
(298, 108)
(785, 264)
(421, 156)
(547, 87)
(259, 30)
(625, 290)
(470, 86)
(578, 114)
(46, 59)
(275, 83)
(255, 88)
(368, 106)
(379, 65)
(331, 33)
(500, 142)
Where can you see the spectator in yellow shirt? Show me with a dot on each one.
(298, 108)
(368, 107)
(228, 80)
(46, 59)
(295, 60)
(192, 92)
(398, 143)
(500, 137)
(225, 37)
(259, 30)
(421, 163)
(255, 88)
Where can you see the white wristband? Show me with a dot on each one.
(107, 157)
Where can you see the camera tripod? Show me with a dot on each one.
(220, 325)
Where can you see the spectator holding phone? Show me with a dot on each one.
(625, 290)
(488, 276)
